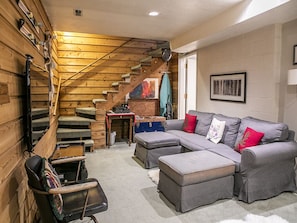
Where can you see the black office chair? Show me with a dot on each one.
(69, 168)
(61, 204)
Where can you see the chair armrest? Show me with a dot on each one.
(267, 154)
(73, 188)
(174, 124)
(68, 160)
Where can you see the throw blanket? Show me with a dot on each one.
(251, 218)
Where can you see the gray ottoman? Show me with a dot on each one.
(193, 179)
(151, 145)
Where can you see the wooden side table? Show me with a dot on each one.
(120, 116)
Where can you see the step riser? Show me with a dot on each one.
(73, 135)
(87, 143)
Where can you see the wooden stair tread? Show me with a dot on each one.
(40, 122)
(137, 67)
(39, 111)
(163, 45)
(67, 130)
(156, 52)
(87, 142)
(74, 119)
(110, 91)
(88, 111)
(37, 134)
(69, 133)
(96, 100)
(126, 75)
(146, 60)
(115, 84)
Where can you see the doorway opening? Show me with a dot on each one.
(187, 84)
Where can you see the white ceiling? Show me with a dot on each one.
(188, 24)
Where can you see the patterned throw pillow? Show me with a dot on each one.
(250, 138)
(50, 180)
(216, 130)
(190, 123)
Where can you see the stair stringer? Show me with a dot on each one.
(158, 67)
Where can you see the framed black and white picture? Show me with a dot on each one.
(295, 55)
(228, 87)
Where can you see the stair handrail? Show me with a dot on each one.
(99, 58)
(90, 64)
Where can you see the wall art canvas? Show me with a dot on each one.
(148, 89)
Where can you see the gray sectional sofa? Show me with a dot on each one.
(261, 171)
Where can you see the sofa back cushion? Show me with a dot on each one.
(231, 129)
(203, 121)
(273, 131)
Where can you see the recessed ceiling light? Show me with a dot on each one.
(153, 13)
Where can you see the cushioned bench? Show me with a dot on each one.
(193, 179)
(151, 145)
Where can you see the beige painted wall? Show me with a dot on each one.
(289, 103)
(257, 53)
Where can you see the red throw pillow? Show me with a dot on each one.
(190, 123)
(249, 138)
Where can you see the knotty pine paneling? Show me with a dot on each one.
(17, 202)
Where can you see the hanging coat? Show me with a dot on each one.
(165, 95)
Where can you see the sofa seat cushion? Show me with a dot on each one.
(195, 167)
(273, 131)
(152, 140)
(228, 153)
(196, 142)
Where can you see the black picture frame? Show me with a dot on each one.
(295, 55)
(228, 87)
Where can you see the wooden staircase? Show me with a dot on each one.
(73, 129)
(89, 123)
(147, 67)
(40, 123)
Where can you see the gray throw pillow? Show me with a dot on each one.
(273, 131)
(203, 121)
(231, 129)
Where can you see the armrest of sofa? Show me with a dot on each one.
(267, 154)
(174, 124)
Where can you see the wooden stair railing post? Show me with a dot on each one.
(57, 97)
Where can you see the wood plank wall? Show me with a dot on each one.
(17, 202)
(77, 50)
(70, 54)
(173, 76)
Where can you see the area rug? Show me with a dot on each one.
(251, 218)
(154, 175)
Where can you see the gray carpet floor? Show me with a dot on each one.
(133, 197)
